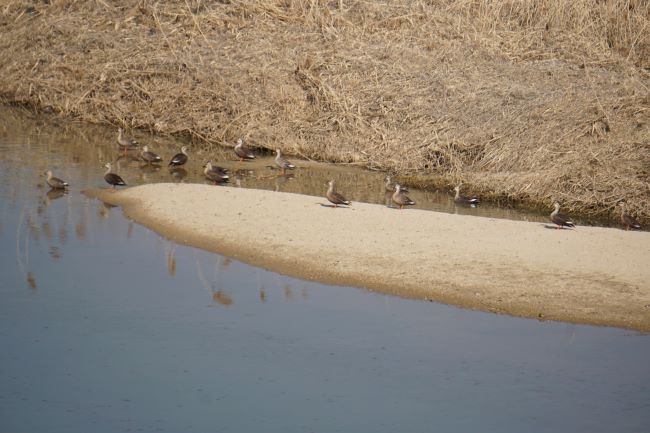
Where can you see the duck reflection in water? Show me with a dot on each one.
(127, 158)
(31, 281)
(104, 210)
(54, 194)
(171, 261)
(222, 298)
(149, 168)
(280, 180)
(178, 173)
(288, 292)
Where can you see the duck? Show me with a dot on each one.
(215, 173)
(464, 201)
(112, 178)
(148, 156)
(560, 220)
(629, 222)
(179, 159)
(334, 197)
(243, 152)
(55, 182)
(390, 185)
(125, 143)
(400, 198)
(283, 163)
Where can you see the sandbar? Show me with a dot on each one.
(590, 275)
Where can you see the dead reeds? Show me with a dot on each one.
(527, 101)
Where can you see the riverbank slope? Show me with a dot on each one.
(526, 102)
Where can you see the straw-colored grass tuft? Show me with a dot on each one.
(531, 100)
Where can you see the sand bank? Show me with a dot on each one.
(589, 275)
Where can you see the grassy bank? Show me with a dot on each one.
(525, 101)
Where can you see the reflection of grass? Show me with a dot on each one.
(530, 101)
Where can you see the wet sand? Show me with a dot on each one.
(588, 275)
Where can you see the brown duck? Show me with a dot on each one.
(242, 151)
(629, 222)
(215, 173)
(179, 159)
(464, 201)
(112, 178)
(149, 157)
(282, 163)
(389, 186)
(560, 220)
(125, 143)
(400, 198)
(55, 182)
(334, 196)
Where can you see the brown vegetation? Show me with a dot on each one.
(528, 101)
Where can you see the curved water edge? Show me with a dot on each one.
(459, 278)
(145, 334)
(515, 267)
(310, 178)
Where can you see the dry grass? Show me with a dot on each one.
(525, 100)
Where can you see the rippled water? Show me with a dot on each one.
(108, 327)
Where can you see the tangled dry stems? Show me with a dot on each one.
(528, 101)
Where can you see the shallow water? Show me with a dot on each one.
(108, 327)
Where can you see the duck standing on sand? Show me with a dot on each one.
(400, 198)
(179, 159)
(464, 201)
(335, 197)
(55, 182)
(282, 163)
(629, 222)
(560, 220)
(243, 152)
(113, 178)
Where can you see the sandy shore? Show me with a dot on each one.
(589, 275)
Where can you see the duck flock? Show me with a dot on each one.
(219, 175)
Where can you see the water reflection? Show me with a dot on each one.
(68, 143)
(221, 297)
(171, 259)
(31, 281)
(211, 337)
(178, 173)
(54, 194)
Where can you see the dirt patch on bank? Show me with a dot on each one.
(523, 101)
(588, 275)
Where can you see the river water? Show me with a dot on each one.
(106, 326)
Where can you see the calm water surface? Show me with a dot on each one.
(107, 327)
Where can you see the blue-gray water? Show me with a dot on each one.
(107, 327)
